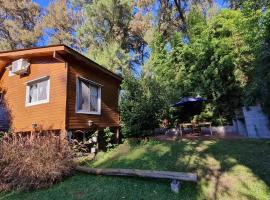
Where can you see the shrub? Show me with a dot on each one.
(78, 146)
(108, 138)
(84, 145)
(33, 162)
(142, 103)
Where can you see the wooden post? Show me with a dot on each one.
(69, 135)
(97, 144)
(84, 138)
(118, 135)
(175, 186)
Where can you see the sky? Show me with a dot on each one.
(43, 3)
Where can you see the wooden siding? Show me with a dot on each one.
(49, 115)
(109, 98)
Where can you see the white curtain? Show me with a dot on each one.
(88, 97)
(93, 98)
(84, 96)
(33, 93)
(42, 90)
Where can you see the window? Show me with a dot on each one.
(88, 97)
(38, 91)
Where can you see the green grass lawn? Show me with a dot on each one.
(228, 169)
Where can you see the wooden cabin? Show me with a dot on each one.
(56, 88)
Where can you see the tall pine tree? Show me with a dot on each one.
(19, 24)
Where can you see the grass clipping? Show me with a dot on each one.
(33, 162)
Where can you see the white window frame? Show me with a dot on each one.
(29, 83)
(10, 73)
(9, 68)
(77, 97)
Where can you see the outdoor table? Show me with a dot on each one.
(194, 125)
(207, 124)
(183, 125)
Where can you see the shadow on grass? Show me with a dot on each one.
(246, 162)
(227, 168)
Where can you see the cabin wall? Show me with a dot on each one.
(48, 116)
(109, 98)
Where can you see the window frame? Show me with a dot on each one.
(10, 73)
(9, 68)
(79, 78)
(36, 81)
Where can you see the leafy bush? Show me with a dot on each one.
(108, 138)
(84, 145)
(33, 162)
(142, 103)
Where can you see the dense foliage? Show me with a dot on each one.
(258, 91)
(208, 65)
(19, 24)
(141, 106)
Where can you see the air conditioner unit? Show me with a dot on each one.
(20, 66)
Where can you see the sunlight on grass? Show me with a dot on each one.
(122, 156)
(227, 170)
(222, 177)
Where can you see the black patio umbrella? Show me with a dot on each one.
(188, 107)
(189, 100)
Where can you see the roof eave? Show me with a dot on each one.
(7, 56)
(89, 61)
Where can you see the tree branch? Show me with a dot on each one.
(181, 13)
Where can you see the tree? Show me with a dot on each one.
(129, 23)
(212, 64)
(60, 22)
(113, 57)
(106, 20)
(19, 24)
(218, 73)
(141, 106)
(114, 21)
(171, 15)
(140, 28)
(258, 89)
(167, 65)
(256, 4)
(107, 23)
